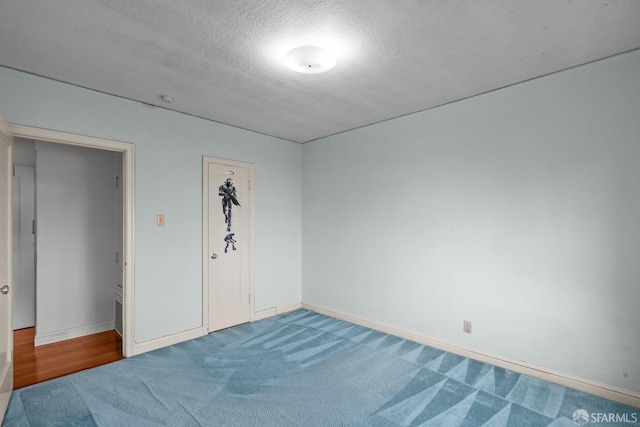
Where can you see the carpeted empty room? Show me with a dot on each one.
(301, 369)
(318, 213)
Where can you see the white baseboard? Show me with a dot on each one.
(67, 334)
(274, 311)
(145, 346)
(606, 391)
(154, 344)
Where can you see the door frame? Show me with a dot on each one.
(128, 153)
(206, 161)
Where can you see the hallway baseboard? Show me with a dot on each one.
(67, 334)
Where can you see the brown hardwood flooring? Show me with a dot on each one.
(36, 364)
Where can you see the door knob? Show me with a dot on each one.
(4, 290)
(214, 256)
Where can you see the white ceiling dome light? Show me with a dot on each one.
(310, 59)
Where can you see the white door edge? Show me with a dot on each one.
(6, 283)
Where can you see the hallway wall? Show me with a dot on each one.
(76, 241)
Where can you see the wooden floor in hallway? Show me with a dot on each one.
(37, 364)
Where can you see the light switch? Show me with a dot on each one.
(160, 220)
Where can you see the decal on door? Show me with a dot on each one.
(230, 241)
(229, 198)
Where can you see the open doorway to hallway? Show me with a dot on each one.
(68, 246)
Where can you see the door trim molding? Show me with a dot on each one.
(206, 160)
(128, 160)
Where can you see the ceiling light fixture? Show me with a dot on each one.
(310, 59)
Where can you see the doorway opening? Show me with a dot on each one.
(72, 252)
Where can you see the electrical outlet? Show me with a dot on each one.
(466, 326)
(160, 220)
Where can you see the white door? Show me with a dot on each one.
(24, 278)
(228, 239)
(6, 331)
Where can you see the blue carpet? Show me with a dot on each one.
(303, 369)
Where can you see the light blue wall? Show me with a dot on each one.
(168, 179)
(518, 210)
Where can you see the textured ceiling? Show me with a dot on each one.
(222, 60)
